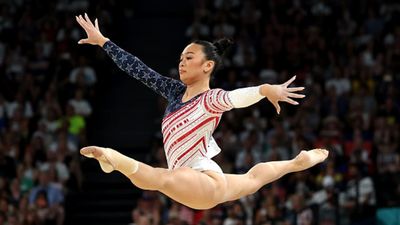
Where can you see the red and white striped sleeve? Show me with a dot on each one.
(217, 101)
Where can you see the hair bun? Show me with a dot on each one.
(222, 45)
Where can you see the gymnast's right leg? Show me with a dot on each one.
(198, 190)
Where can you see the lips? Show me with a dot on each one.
(182, 71)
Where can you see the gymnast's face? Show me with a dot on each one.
(193, 65)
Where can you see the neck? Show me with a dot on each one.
(196, 88)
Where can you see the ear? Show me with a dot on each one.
(208, 66)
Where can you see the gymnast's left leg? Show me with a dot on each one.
(240, 185)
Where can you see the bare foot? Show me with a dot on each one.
(103, 155)
(307, 159)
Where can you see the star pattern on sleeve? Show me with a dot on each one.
(146, 75)
(163, 84)
(124, 58)
(135, 68)
(140, 68)
(107, 47)
(129, 67)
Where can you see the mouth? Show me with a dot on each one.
(182, 71)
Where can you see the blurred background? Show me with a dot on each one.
(57, 96)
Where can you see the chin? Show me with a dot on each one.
(184, 79)
(187, 79)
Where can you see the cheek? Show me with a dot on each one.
(193, 65)
(196, 64)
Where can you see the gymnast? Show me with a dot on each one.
(193, 113)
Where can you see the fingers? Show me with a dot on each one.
(84, 41)
(88, 20)
(85, 22)
(96, 24)
(287, 83)
(294, 95)
(277, 107)
(294, 89)
(94, 37)
(82, 22)
(291, 101)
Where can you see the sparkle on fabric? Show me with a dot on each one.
(187, 127)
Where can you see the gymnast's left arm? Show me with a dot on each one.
(244, 97)
(218, 100)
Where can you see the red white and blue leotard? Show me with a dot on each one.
(187, 127)
(188, 130)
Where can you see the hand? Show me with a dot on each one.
(94, 36)
(281, 92)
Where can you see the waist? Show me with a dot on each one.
(202, 163)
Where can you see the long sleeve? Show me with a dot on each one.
(244, 97)
(134, 67)
(218, 100)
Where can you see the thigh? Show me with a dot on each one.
(199, 190)
(240, 185)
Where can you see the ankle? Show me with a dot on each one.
(125, 165)
(295, 164)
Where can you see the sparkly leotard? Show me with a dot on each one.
(187, 127)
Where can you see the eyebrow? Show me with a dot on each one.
(188, 53)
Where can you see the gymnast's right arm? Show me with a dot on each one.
(136, 68)
(133, 66)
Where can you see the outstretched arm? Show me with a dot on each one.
(218, 100)
(127, 62)
(244, 97)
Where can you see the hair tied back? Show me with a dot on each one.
(222, 45)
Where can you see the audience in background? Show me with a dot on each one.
(44, 110)
(345, 53)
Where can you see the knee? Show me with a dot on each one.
(164, 181)
(146, 184)
(252, 182)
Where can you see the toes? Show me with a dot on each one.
(324, 151)
(90, 152)
(101, 154)
(87, 151)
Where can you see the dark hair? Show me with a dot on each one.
(214, 51)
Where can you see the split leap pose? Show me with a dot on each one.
(193, 113)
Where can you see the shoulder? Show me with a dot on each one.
(176, 91)
(215, 92)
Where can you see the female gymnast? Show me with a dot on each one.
(193, 113)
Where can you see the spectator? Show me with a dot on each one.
(348, 60)
(80, 104)
(358, 200)
(83, 71)
(48, 198)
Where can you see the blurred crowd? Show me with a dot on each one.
(347, 55)
(46, 90)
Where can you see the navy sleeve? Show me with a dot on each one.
(134, 67)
